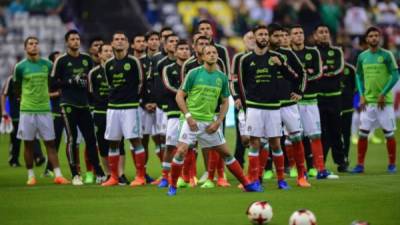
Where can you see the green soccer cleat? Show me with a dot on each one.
(268, 175)
(293, 172)
(312, 172)
(181, 183)
(208, 184)
(89, 178)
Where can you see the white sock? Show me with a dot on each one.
(31, 174)
(57, 172)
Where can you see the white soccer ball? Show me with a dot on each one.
(259, 212)
(303, 217)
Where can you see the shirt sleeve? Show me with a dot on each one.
(188, 83)
(225, 88)
(360, 76)
(393, 70)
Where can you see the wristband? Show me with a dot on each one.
(187, 115)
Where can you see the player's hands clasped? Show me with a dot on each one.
(381, 102)
(192, 124)
(363, 103)
(213, 127)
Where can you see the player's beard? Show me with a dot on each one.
(262, 45)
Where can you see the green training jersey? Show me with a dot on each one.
(203, 90)
(32, 77)
(376, 74)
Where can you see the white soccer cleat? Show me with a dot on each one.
(77, 180)
(203, 178)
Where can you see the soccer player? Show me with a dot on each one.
(198, 99)
(94, 45)
(377, 73)
(308, 105)
(172, 81)
(259, 71)
(291, 88)
(99, 90)
(125, 77)
(329, 97)
(31, 82)
(240, 117)
(70, 75)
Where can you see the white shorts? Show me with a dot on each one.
(310, 119)
(205, 140)
(36, 125)
(263, 123)
(373, 117)
(291, 118)
(161, 122)
(242, 123)
(123, 123)
(172, 135)
(148, 122)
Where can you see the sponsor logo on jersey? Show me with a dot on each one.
(331, 53)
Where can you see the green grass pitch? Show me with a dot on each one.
(373, 196)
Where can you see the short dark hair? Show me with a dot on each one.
(182, 42)
(151, 33)
(320, 25)
(165, 29)
(30, 38)
(119, 32)
(52, 56)
(204, 48)
(102, 46)
(259, 27)
(136, 36)
(202, 37)
(203, 22)
(372, 29)
(274, 27)
(171, 35)
(69, 33)
(94, 39)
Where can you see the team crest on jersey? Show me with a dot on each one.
(308, 56)
(218, 82)
(127, 66)
(85, 62)
(252, 63)
(380, 59)
(331, 53)
(68, 109)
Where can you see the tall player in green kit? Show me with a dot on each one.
(31, 81)
(202, 88)
(377, 73)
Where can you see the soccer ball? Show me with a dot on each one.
(359, 222)
(303, 217)
(259, 212)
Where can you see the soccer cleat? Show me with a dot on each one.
(293, 172)
(312, 172)
(149, 179)
(203, 178)
(138, 181)
(77, 180)
(193, 182)
(61, 180)
(325, 174)
(391, 168)
(171, 191)
(268, 175)
(163, 183)
(254, 187)
(48, 173)
(302, 182)
(283, 185)
(157, 181)
(31, 181)
(358, 169)
(208, 184)
(110, 182)
(122, 180)
(222, 182)
(101, 179)
(181, 183)
(89, 178)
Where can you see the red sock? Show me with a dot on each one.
(318, 155)
(113, 162)
(279, 162)
(254, 165)
(235, 168)
(89, 166)
(187, 165)
(290, 153)
(220, 167)
(263, 158)
(391, 148)
(176, 169)
(212, 163)
(140, 162)
(362, 150)
(193, 170)
(298, 155)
